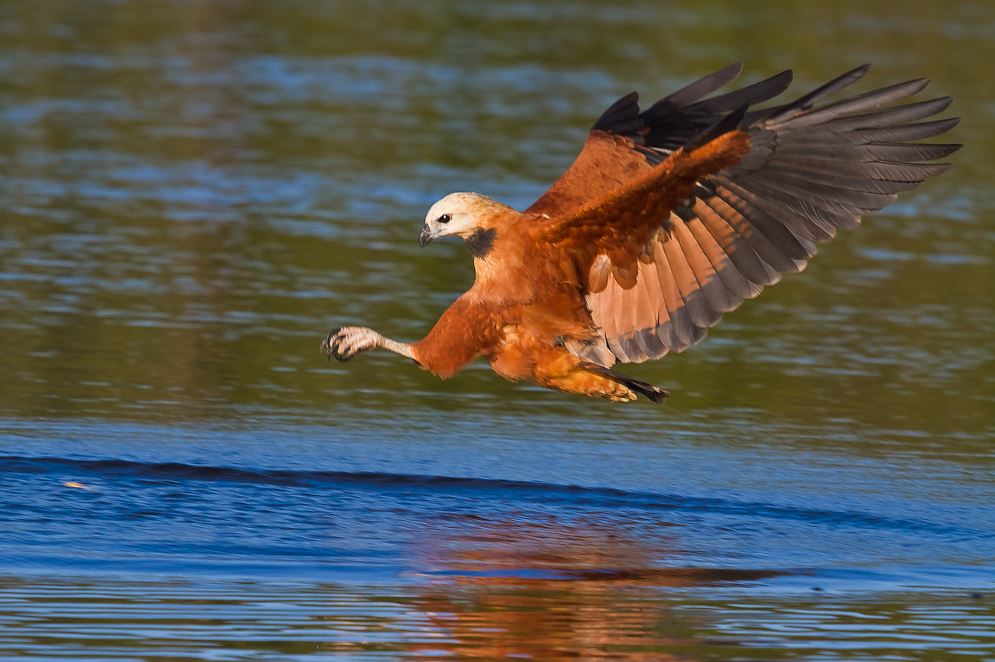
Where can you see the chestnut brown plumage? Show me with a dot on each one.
(667, 219)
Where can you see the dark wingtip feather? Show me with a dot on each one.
(782, 80)
(701, 87)
(890, 117)
(847, 107)
(853, 75)
(942, 103)
(730, 122)
(806, 101)
(758, 92)
(621, 117)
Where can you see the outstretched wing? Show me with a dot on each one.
(624, 143)
(808, 171)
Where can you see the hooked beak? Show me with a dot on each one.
(425, 237)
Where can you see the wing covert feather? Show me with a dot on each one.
(668, 232)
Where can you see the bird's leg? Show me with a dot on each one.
(556, 368)
(654, 393)
(346, 342)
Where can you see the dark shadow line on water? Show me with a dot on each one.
(603, 497)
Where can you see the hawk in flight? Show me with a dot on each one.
(668, 218)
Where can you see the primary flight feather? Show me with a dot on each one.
(667, 219)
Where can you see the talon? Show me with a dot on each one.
(342, 356)
(326, 345)
(346, 342)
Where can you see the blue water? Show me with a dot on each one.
(134, 541)
(308, 503)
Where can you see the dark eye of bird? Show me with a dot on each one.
(445, 218)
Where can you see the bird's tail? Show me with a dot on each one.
(654, 393)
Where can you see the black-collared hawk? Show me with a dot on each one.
(668, 218)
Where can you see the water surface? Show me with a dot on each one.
(195, 192)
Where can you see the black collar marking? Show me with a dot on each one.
(481, 242)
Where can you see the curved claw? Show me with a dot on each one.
(346, 342)
(327, 346)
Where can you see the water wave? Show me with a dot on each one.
(603, 497)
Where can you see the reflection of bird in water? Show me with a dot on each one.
(667, 219)
(547, 591)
